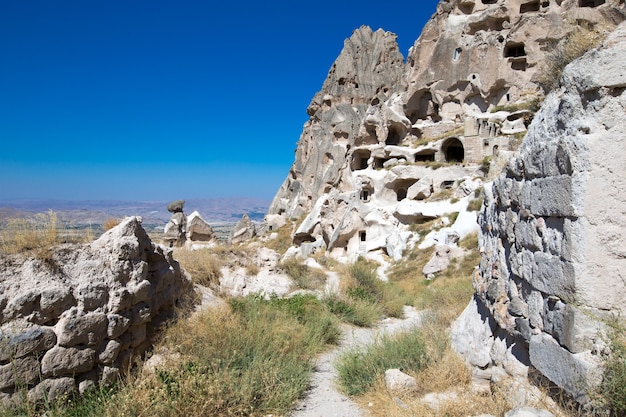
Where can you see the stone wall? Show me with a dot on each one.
(552, 235)
(77, 316)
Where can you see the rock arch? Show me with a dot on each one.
(453, 150)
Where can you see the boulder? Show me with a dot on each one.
(243, 231)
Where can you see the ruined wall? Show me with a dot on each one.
(552, 234)
(77, 316)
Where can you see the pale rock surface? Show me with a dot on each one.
(243, 231)
(396, 380)
(552, 233)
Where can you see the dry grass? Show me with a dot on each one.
(252, 359)
(203, 264)
(110, 223)
(305, 277)
(581, 38)
(37, 233)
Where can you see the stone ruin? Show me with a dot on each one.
(78, 316)
(552, 237)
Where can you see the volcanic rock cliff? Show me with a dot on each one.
(392, 143)
(386, 137)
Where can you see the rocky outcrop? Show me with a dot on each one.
(77, 316)
(552, 235)
(385, 138)
(243, 231)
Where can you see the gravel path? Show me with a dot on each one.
(323, 399)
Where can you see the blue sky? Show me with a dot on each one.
(157, 100)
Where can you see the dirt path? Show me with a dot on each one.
(323, 399)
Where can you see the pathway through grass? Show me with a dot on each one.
(324, 398)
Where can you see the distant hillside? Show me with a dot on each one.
(154, 213)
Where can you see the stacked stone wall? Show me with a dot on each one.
(552, 235)
(79, 317)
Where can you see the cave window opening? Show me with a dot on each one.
(446, 185)
(393, 138)
(496, 150)
(457, 54)
(466, 8)
(425, 157)
(514, 50)
(590, 3)
(363, 236)
(359, 160)
(532, 6)
(401, 194)
(365, 195)
(489, 1)
(453, 150)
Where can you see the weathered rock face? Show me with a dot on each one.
(76, 318)
(384, 137)
(243, 231)
(552, 230)
(369, 66)
(473, 55)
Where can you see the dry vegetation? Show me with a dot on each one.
(581, 38)
(253, 356)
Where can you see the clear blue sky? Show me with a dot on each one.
(162, 99)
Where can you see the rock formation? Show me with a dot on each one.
(198, 230)
(79, 315)
(552, 235)
(243, 231)
(176, 228)
(386, 138)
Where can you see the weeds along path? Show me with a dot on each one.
(323, 399)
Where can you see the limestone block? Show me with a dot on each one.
(88, 329)
(138, 335)
(118, 324)
(108, 351)
(526, 235)
(552, 196)
(51, 389)
(552, 276)
(574, 329)
(575, 373)
(61, 361)
(110, 374)
(23, 371)
(93, 295)
(471, 336)
(120, 299)
(54, 301)
(18, 339)
(22, 305)
(396, 380)
(421, 190)
(141, 313)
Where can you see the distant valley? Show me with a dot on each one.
(92, 213)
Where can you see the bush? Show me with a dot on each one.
(580, 39)
(612, 390)
(303, 276)
(36, 233)
(359, 369)
(203, 265)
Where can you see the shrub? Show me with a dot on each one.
(110, 223)
(359, 369)
(612, 390)
(203, 264)
(581, 38)
(35, 233)
(303, 276)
